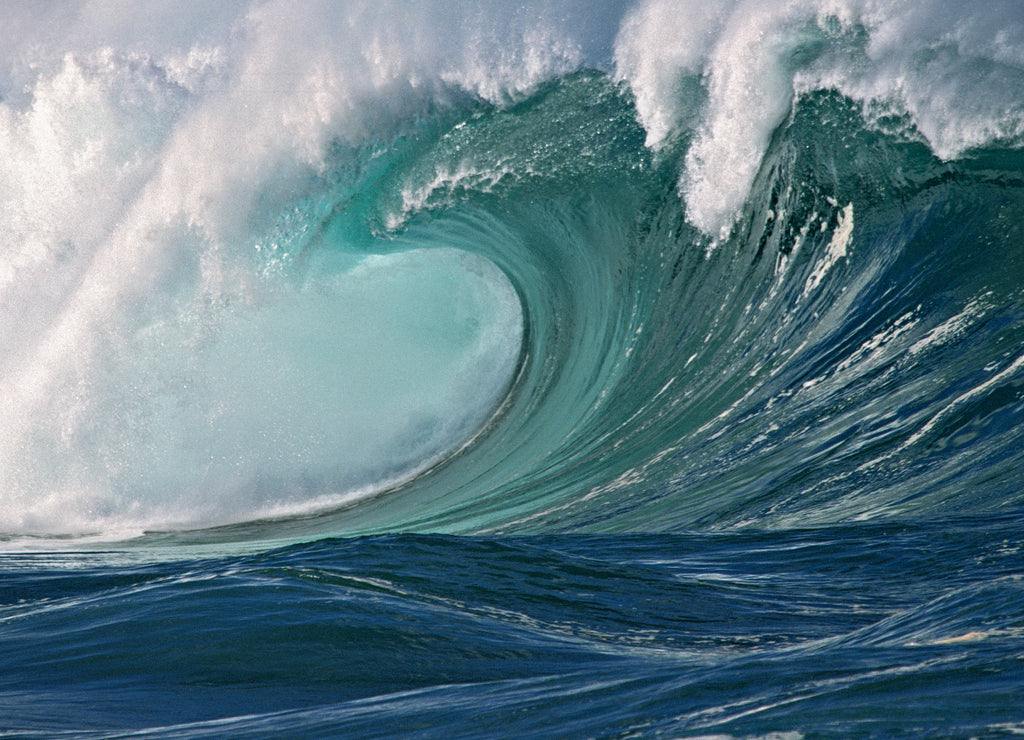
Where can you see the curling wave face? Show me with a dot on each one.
(642, 266)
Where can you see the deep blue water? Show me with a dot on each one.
(564, 370)
(868, 630)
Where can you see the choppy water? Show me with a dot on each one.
(564, 370)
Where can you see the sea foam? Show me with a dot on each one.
(957, 73)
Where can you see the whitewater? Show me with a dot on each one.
(556, 369)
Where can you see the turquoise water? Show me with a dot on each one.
(555, 371)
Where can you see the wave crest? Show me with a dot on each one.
(956, 73)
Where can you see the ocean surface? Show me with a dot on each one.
(555, 369)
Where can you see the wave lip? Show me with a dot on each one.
(727, 75)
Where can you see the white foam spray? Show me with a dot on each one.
(151, 375)
(956, 70)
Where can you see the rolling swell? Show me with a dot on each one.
(847, 352)
(736, 300)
